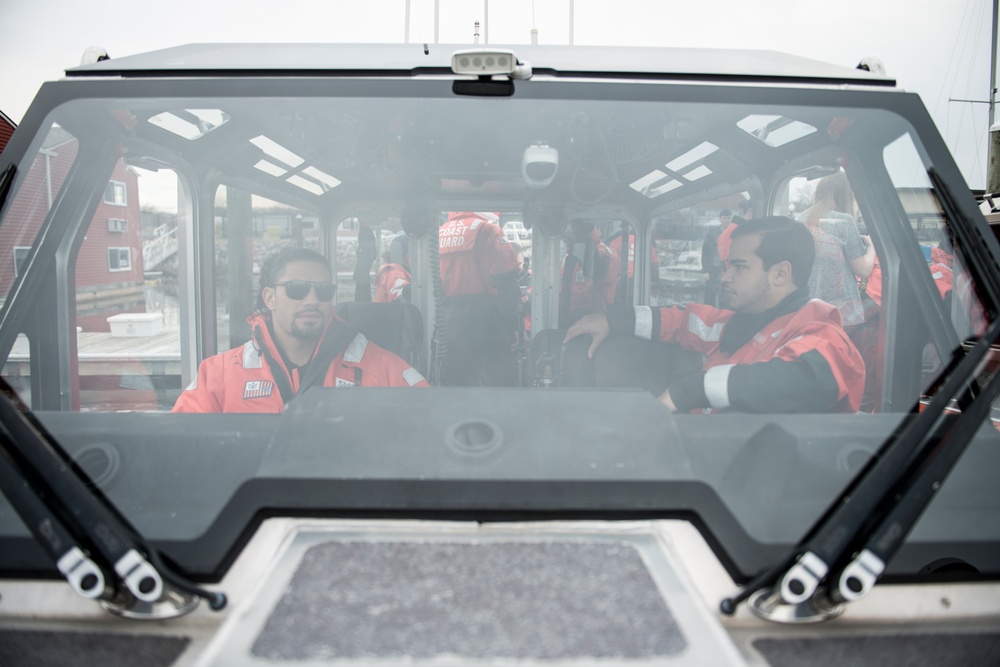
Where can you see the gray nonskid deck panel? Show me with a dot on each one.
(50, 648)
(430, 593)
(496, 600)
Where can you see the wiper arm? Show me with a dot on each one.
(866, 525)
(101, 555)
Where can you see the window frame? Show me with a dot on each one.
(114, 187)
(128, 255)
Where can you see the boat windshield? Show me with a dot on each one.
(384, 274)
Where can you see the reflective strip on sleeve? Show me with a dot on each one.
(717, 386)
(251, 356)
(709, 334)
(644, 322)
(412, 376)
(356, 349)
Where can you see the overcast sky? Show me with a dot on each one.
(937, 48)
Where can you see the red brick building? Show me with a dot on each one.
(6, 130)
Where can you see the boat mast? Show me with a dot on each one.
(993, 65)
(993, 152)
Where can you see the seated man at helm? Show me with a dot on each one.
(777, 350)
(297, 342)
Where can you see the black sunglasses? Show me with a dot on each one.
(299, 289)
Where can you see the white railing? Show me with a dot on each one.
(162, 246)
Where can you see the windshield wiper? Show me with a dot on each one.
(95, 548)
(846, 551)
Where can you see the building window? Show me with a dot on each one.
(119, 259)
(115, 193)
(117, 225)
(20, 254)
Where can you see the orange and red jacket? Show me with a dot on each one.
(799, 361)
(472, 252)
(242, 380)
(390, 281)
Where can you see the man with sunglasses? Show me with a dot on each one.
(297, 342)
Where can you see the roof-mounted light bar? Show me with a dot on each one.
(489, 62)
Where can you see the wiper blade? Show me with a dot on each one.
(111, 561)
(884, 501)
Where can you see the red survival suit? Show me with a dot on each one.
(241, 380)
(390, 281)
(800, 360)
(481, 301)
(472, 251)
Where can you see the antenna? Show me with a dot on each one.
(534, 30)
(572, 12)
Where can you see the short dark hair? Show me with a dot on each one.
(725, 211)
(782, 239)
(746, 205)
(275, 263)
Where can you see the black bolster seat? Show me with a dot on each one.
(396, 326)
(627, 361)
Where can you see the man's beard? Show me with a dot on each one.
(308, 332)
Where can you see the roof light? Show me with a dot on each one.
(666, 187)
(643, 184)
(326, 180)
(699, 152)
(305, 184)
(774, 131)
(698, 172)
(190, 124)
(270, 168)
(489, 62)
(276, 151)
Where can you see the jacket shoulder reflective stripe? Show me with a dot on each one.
(356, 350)
(412, 376)
(709, 334)
(251, 356)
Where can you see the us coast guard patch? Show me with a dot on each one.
(258, 389)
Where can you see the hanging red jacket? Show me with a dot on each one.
(616, 248)
(725, 242)
(800, 361)
(589, 293)
(242, 380)
(390, 281)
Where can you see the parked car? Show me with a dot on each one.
(567, 518)
(515, 231)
